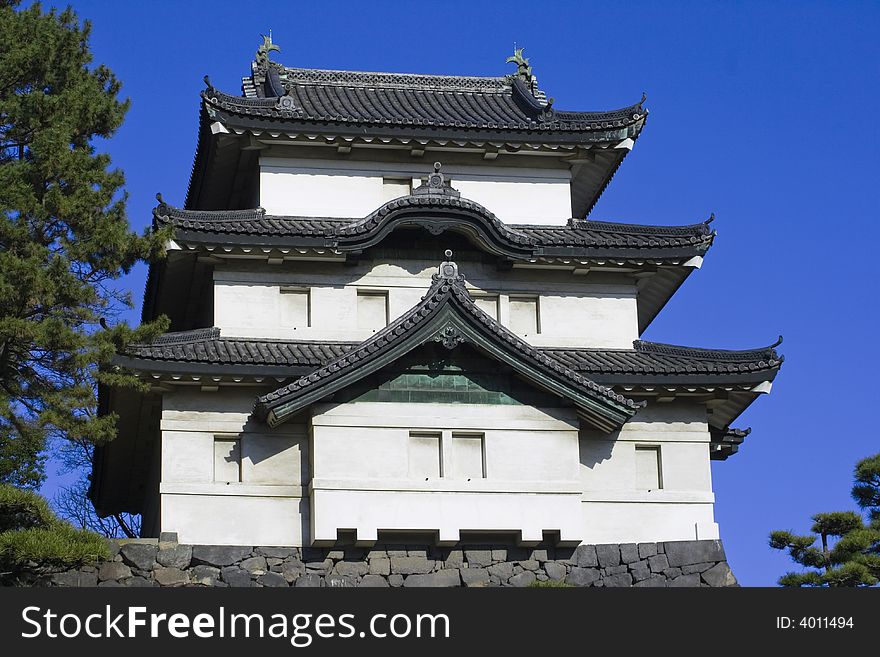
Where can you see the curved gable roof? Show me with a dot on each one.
(448, 315)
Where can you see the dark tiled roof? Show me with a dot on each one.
(584, 238)
(450, 316)
(459, 104)
(206, 346)
(647, 359)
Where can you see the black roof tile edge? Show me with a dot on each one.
(575, 234)
(733, 362)
(548, 121)
(768, 353)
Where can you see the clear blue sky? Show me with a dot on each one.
(761, 112)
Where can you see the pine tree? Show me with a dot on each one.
(854, 557)
(64, 239)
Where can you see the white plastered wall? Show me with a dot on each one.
(269, 506)
(615, 511)
(362, 478)
(334, 188)
(597, 311)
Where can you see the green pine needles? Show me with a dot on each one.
(848, 548)
(64, 239)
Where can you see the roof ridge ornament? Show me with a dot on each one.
(523, 69)
(436, 185)
(261, 59)
(448, 269)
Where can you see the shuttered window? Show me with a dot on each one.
(395, 187)
(487, 303)
(295, 307)
(424, 455)
(648, 468)
(372, 310)
(468, 456)
(227, 460)
(524, 318)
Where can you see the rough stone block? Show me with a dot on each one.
(290, 570)
(658, 563)
(696, 567)
(308, 580)
(474, 577)
(629, 552)
(75, 578)
(110, 583)
(647, 550)
(442, 578)
(502, 571)
(377, 554)
(320, 567)
(204, 575)
(373, 581)
(582, 576)
(235, 576)
(113, 547)
(479, 558)
(454, 559)
(608, 554)
(138, 582)
(672, 573)
(336, 555)
(219, 555)
(554, 570)
(499, 555)
(685, 580)
(640, 570)
(380, 566)
(139, 555)
(616, 570)
(255, 565)
(585, 556)
(272, 579)
(684, 553)
(277, 552)
(530, 564)
(539, 555)
(411, 565)
(395, 580)
(177, 556)
(168, 537)
(113, 570)
(654, 581)
(523, 579)
(171, 576)
(719, 575)
(621, 579)
(352, 568)
(417, 552)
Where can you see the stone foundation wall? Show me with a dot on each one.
(148, 562)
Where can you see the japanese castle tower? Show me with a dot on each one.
(368, 345)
